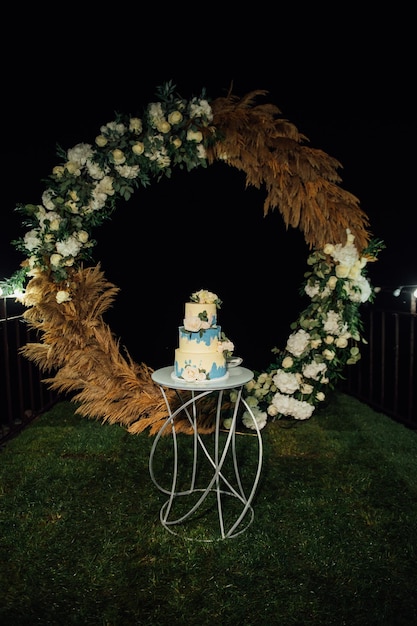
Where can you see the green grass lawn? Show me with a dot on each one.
(333, 540)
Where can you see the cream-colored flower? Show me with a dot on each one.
(101, 141)
(341, 342)
(286, 382)
(320, 396)
(58, 171)
(192, 323)
(254, 418)
(62, 296)
(55, 260)
(332, 282)
(71, 205)
(328, 248)
(118, 156)
(272, 410)
(287, 362)
(192, 373)
(329, 339)
(163, 126)
(342, 271)
(82, 235)
(194, 135)
(135, 125)
(315, 343)
(138, 148)
(175, 117)
(176, 141)
(298, 342)
(73, 168)
(262, 378)
(250, 386)
(328, 354)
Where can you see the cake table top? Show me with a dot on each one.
(237, 376)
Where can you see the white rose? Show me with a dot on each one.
(82, 236)
(194, 135)
(341, 342)
(342, 271)
(138, 148)
(287, 362)
(192, 323)
(55, 260)
(118, 156)
(190, 373)
(101, 141)
(163, 126)
(328, 354)
(175, 117)
(62, 296)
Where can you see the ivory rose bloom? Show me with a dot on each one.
(58, 171)
(176, 141)
(341, 342)
(194, 135)
(342, 271)
(101, 141)
(55, 260)
(287, 362)
(62, 296)
(163, 126)
(138, 148)
(193, 323)
(175, 117)
(332, 282)
(118, 156)
(82, 236)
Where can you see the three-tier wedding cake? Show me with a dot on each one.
(203, 348)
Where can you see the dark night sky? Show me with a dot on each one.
(345, 83)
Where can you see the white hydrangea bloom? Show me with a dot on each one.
(298, 342)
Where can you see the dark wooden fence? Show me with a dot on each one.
(23, 395)
(385, 378)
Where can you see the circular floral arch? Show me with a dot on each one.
(66, 294)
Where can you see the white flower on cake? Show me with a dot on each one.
(226, 346)
(194, 323)
(206, 297)
(193, 374)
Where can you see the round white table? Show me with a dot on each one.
(221, 449)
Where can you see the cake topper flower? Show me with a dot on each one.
(206, 297)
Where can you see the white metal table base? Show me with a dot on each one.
(219, 484)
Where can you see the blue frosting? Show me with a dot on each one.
(202, 336)
(215, 371)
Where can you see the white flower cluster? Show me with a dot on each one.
(83, 189)
(206, 297)
(324, 338)
(192, 374)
